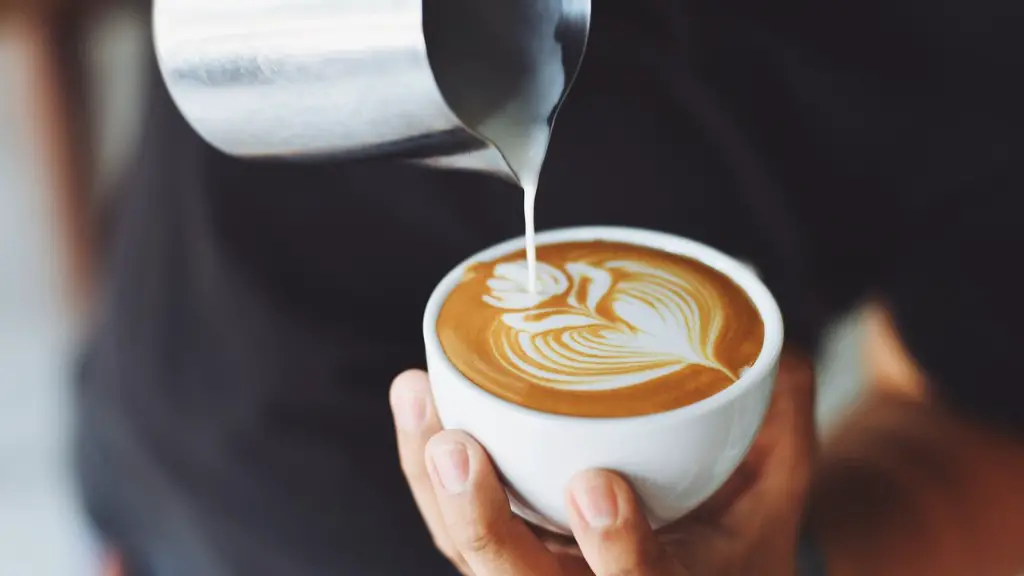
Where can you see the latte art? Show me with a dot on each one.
(607, 328)
(621, 323)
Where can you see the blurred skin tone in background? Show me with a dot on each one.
(47, 37)
(872, 507)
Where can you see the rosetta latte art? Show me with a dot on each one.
(621, 323)
(611, 330)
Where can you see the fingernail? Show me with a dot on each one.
(451, 461)
(596, 501)
(410, 411)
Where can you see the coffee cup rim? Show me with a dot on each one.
(740, 273)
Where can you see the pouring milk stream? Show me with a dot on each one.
(521, 130)
(523, 142)
(526, 158)
(462, 84)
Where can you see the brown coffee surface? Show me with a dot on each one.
(613, 330)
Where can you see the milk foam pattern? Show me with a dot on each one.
(602, 324)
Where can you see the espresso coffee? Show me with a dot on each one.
(610, 330)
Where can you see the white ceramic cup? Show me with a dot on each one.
(674, 460)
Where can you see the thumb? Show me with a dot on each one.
(612, 532)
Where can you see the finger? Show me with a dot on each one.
(793, 402)
(789, 436)
(415, 423)
(475, 507)
(613, 533)
(782, 454)
(802, 379)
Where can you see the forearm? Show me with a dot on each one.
(48, 38)
(907, 488)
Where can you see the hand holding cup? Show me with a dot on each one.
(748, 527)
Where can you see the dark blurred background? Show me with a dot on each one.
(41, 530)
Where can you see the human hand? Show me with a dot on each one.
(749, 527)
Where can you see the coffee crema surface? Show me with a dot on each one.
(612, 330)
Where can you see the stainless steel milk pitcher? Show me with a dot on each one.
(435, 81)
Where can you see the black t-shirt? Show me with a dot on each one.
(256, 312)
